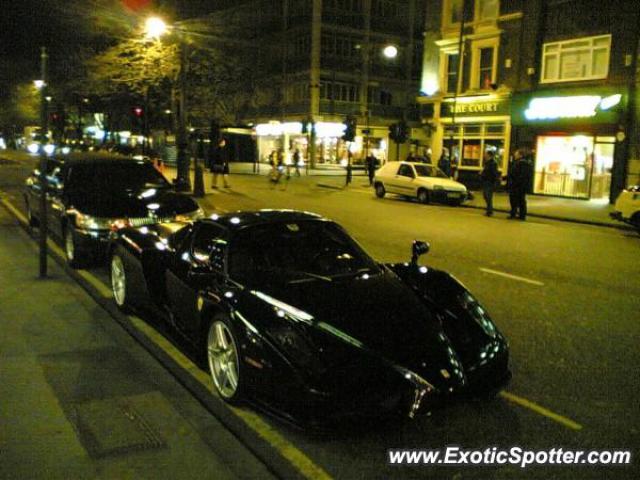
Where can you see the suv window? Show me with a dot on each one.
(406, 171)
(209, 245)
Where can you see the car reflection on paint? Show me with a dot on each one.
(287, 310)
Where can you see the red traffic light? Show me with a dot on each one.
(137, 111)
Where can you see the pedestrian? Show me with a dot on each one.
(444, 164)
(489, 177)
(518, 181)
(410, 158)
(296, 161)
(220, 164)
(370, 163)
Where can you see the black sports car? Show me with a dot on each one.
(90, 196)
(288, 310)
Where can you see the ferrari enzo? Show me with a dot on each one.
(289, 312)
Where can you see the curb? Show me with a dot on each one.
(560, 219)
(254, 441)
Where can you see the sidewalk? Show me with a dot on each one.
(81, 399)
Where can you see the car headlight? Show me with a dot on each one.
(190, 216)
(473, 307)
(88, 222)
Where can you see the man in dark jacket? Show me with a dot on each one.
(518, 181)
(220, 164)
(489, 177)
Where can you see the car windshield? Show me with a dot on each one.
(296, 252)
(125, 175)
(429, 171)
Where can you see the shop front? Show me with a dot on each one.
(276, 138)
(469, 126)
(574, 135)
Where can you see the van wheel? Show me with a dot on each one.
(380, 191)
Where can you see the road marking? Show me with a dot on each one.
(545, 412)
(512, 277)
(293, 455)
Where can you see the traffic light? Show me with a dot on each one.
(349, 134)
(138, 111)
(399, 132)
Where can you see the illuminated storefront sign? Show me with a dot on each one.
(276, 129)
(584, 106)
(476, 107)
(579, 106)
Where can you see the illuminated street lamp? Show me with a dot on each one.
(38, 84)
(390, 51)
(154, 28)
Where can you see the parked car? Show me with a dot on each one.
(627, 207)
(422, 181)
(88, 198)
(287, 310)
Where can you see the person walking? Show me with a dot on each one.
(518, 181)
(370, 163)
(220, 164)
(489, 177)
(296, 161)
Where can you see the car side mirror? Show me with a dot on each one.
(418, 248)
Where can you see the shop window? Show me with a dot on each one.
(578, 59)
(472, 140)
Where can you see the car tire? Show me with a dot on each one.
(635, 221)
(74, 256)
(380, 191)
(119, 282)
(33, 222)
(423, 196)
(223, 359)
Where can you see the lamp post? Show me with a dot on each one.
(43, 164)
(155, 28)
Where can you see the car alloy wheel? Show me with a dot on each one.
(118, 281)
(30, 218)
(222, 354)
(69, 245)
(423, 196)
(380, 191)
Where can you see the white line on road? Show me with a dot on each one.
(512, 277)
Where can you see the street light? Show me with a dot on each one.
(154, 28)
(390, 51)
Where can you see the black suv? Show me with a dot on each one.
(88, 198)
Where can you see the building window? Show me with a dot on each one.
(484, 64)
(452, 71)
(341, 92)
(486, 67)
(473, 139)
(487, 9)
(579, 59)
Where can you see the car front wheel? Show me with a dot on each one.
(224, 360)
(76, 258)
(380, 191)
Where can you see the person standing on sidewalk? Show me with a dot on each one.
(518, 180)
(489, 177)
(296, 161)
(220, 164)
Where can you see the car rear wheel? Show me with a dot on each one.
(423, 196)
(119, 282)
(380, 191)
(224, 361)
(33, 222)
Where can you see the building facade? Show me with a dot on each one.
(325, 60)
(556, 76)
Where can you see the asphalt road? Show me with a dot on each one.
(565, 295)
